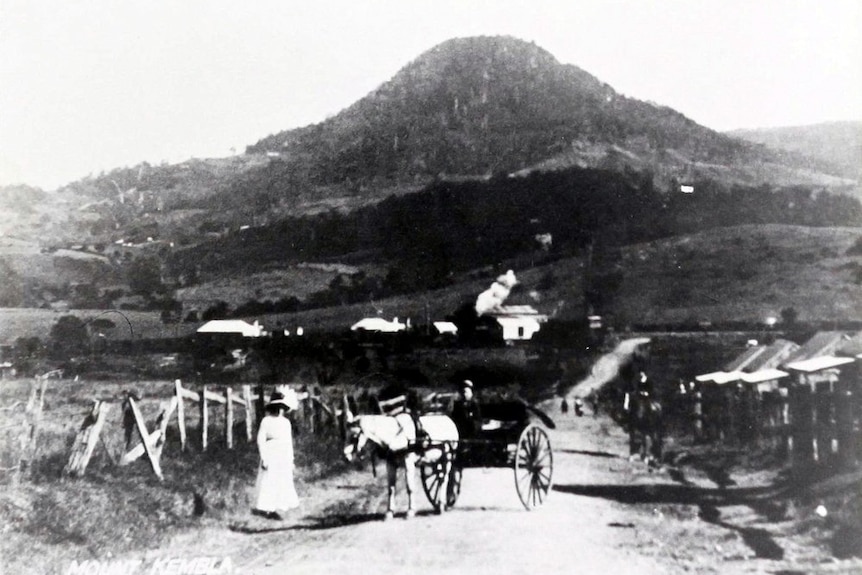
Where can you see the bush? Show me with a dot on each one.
(856, 248)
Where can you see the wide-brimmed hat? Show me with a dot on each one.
(466, 383)
(287, 399)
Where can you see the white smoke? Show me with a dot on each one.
(492, 298)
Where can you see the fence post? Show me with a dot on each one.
(86, 439)
(163, 420)
(249, 415)
(30, 431)
(784, 422)
(145, 437)
(802, 423)
(204, 417)
(844, 424)
(181, 413)
(260, 405)
(228, 417)
(312, 414)
(698, 415)
(823, 420)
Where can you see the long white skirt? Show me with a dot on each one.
(274, 489)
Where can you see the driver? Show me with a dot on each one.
(466, 412)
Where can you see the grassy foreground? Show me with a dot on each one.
(48, 520)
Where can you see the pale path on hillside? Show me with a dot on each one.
(607, 367)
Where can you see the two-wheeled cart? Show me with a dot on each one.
(509, 438)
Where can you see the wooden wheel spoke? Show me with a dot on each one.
(533, 467)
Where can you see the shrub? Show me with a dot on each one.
(856, 248)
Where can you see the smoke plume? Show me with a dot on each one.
(492, 298)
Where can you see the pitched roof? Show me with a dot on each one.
(821, 343)
(819, 363)
(745, 358)
(763, 375)
(773, 356)
(720, 377)
(851, 347)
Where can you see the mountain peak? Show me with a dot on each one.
(482, 105)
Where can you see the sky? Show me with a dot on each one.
(92, 85)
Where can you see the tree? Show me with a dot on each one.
(69, 337)
(145, 276)
(789, 316)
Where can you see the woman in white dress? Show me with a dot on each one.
(274, 490)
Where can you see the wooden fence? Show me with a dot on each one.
(811, 420)
(315, 413)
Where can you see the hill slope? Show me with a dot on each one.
(839, 143)
(484, 105)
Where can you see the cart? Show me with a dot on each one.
(509, 438)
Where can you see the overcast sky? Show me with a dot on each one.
(91, 85)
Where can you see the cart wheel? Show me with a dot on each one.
(534, 466)
(432, 480)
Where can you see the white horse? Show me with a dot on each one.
(395, 439)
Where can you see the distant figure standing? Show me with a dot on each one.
(579, 407)
(594, 402)
(274, 490)
(564, 406)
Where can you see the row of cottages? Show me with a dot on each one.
(782, 363)
(808, 391)
(516, 323)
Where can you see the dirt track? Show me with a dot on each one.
(340, 526)
(604, 515)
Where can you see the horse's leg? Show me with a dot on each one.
(410, 482)
(391, 477)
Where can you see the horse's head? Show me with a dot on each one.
(355, 439)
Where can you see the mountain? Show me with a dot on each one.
(836, 143)
(482, 110)
(486, 105)
(467, 108)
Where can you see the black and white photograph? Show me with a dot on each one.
(431, 287)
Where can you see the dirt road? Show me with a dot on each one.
(340, 526)
(605, 514)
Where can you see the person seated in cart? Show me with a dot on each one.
(466, 412)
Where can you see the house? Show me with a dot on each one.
(379, 325)
(519, 322)
(823, 369)
(815, 361)
(756, 365)
(232, 326)
(762, 370)
(7, 369)
(822, 343)
(445, 328)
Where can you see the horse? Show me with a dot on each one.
(394, 438)
(646, 427)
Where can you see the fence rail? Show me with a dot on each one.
(315, 413)
(816, 419)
